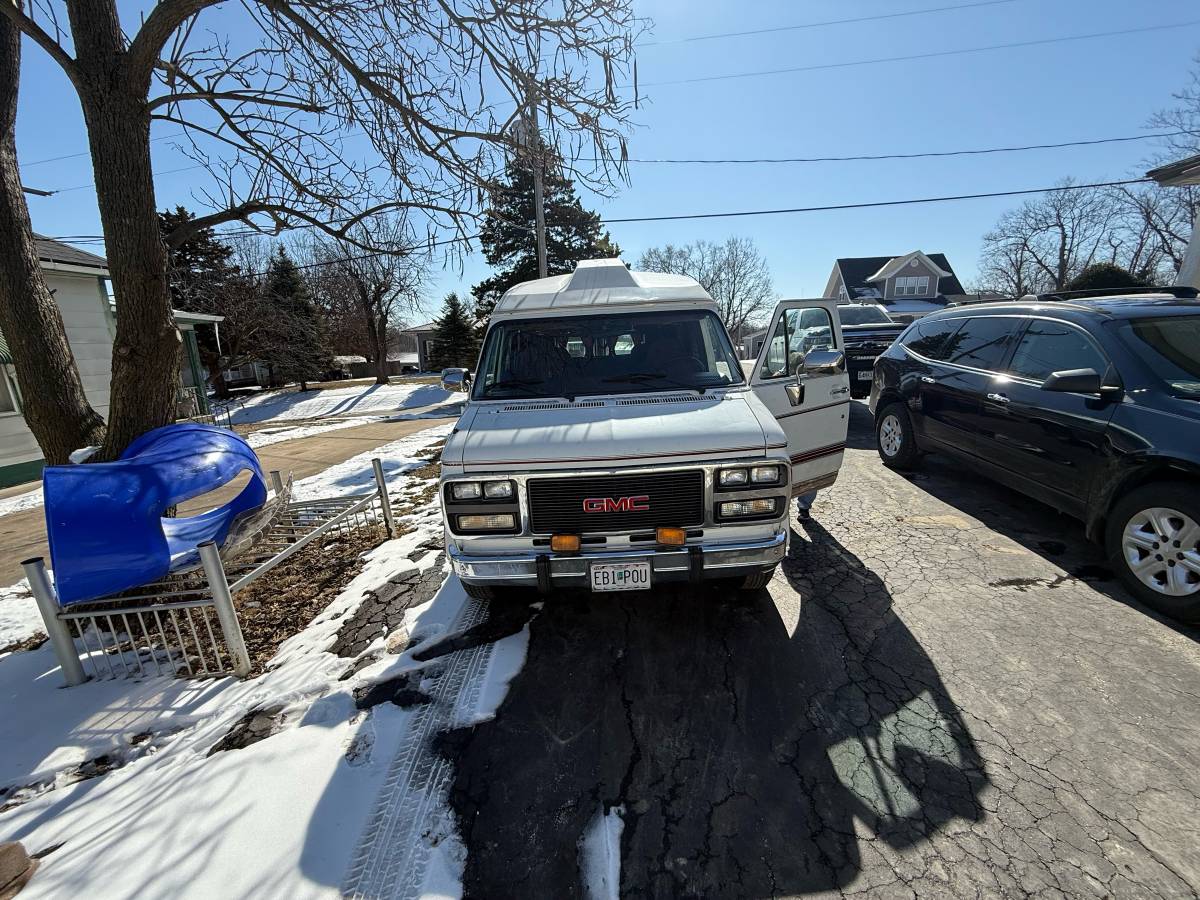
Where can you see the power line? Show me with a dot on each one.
(38, 162)
(823, 24)
(875, 204)
(755, 212)
(931, 153)
(919, 56)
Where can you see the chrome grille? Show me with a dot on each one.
(556, 505)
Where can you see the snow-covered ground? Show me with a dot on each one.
(320, 808)
(348, 401)
(18, 502)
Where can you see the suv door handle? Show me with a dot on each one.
(928, 379)
(997, 398)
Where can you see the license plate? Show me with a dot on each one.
(864, 376)
(633, 576)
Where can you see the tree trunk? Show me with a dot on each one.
(146, 353)
(382, 375)
(55, 406)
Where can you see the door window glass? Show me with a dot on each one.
(797, 333)
(982, 342)
(1047, 347)
(931, 338)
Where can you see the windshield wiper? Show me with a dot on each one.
(642, 377)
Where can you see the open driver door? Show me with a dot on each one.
(800, 376)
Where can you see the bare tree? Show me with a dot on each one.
(436, 87)
(1183, 117)
(735, 273)
(56, 408)
(1048, 240)
(380, 287)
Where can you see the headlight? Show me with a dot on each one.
(765, 474)
(495, 522)
(466, 490)
(497, 490)
(741, 508)
(732, 477)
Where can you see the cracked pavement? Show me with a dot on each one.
(943, 692)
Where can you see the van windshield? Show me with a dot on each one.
(606, 354)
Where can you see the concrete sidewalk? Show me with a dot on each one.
(23, 534)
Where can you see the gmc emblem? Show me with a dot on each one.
(640, 503)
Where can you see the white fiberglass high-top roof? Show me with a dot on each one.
(601, 282)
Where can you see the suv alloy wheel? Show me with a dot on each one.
(1153, 541)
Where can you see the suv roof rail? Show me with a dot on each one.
(1180, 292)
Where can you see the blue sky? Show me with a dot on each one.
(1078, 90)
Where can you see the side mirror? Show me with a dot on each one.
(1079, 381)
(823, 362)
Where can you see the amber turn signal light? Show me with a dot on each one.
(672, 537)
(564, 543)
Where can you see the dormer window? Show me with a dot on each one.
(912, 286)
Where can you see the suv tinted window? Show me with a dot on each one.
(982, 342)
(1047, 347)
(931, 339)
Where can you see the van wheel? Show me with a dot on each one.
(894, 437)
(1153, 542)
(758, 582)
(480, 591)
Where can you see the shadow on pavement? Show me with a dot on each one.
(739, 756)
(1042, 529)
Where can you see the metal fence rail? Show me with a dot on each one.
(165, 628)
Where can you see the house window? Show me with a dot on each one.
(842, 295)
(912, 286)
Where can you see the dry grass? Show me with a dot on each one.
(284, 601)
(30, 643)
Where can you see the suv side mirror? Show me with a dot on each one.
(823, 362)
(1074, 381)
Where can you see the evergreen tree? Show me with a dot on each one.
(510, 243)
(1105, 276)
(294, 345)
(455, 343)
(203, 279)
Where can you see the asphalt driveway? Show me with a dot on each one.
(943, 693)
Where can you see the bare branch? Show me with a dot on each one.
(12, 11)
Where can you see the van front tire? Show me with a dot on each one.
(480, 592)
(759, 581)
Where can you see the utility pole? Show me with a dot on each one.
(533, 143)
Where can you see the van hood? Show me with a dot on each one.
(609, 432)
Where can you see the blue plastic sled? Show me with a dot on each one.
(105, 520)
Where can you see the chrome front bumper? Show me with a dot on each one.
(548, 570)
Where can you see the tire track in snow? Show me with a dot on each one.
(393, 855)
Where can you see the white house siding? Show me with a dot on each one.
(89, 332)
(915, 268)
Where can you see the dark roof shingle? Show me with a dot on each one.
(857, 269)
(55, 251)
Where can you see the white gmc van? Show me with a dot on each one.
(612, 441)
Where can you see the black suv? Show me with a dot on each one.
(1090, 404)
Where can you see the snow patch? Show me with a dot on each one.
(19, 502)
(19, 616)
(378, 398)
(600, 854)
(82, 455)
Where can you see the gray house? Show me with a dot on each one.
(909, 286)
